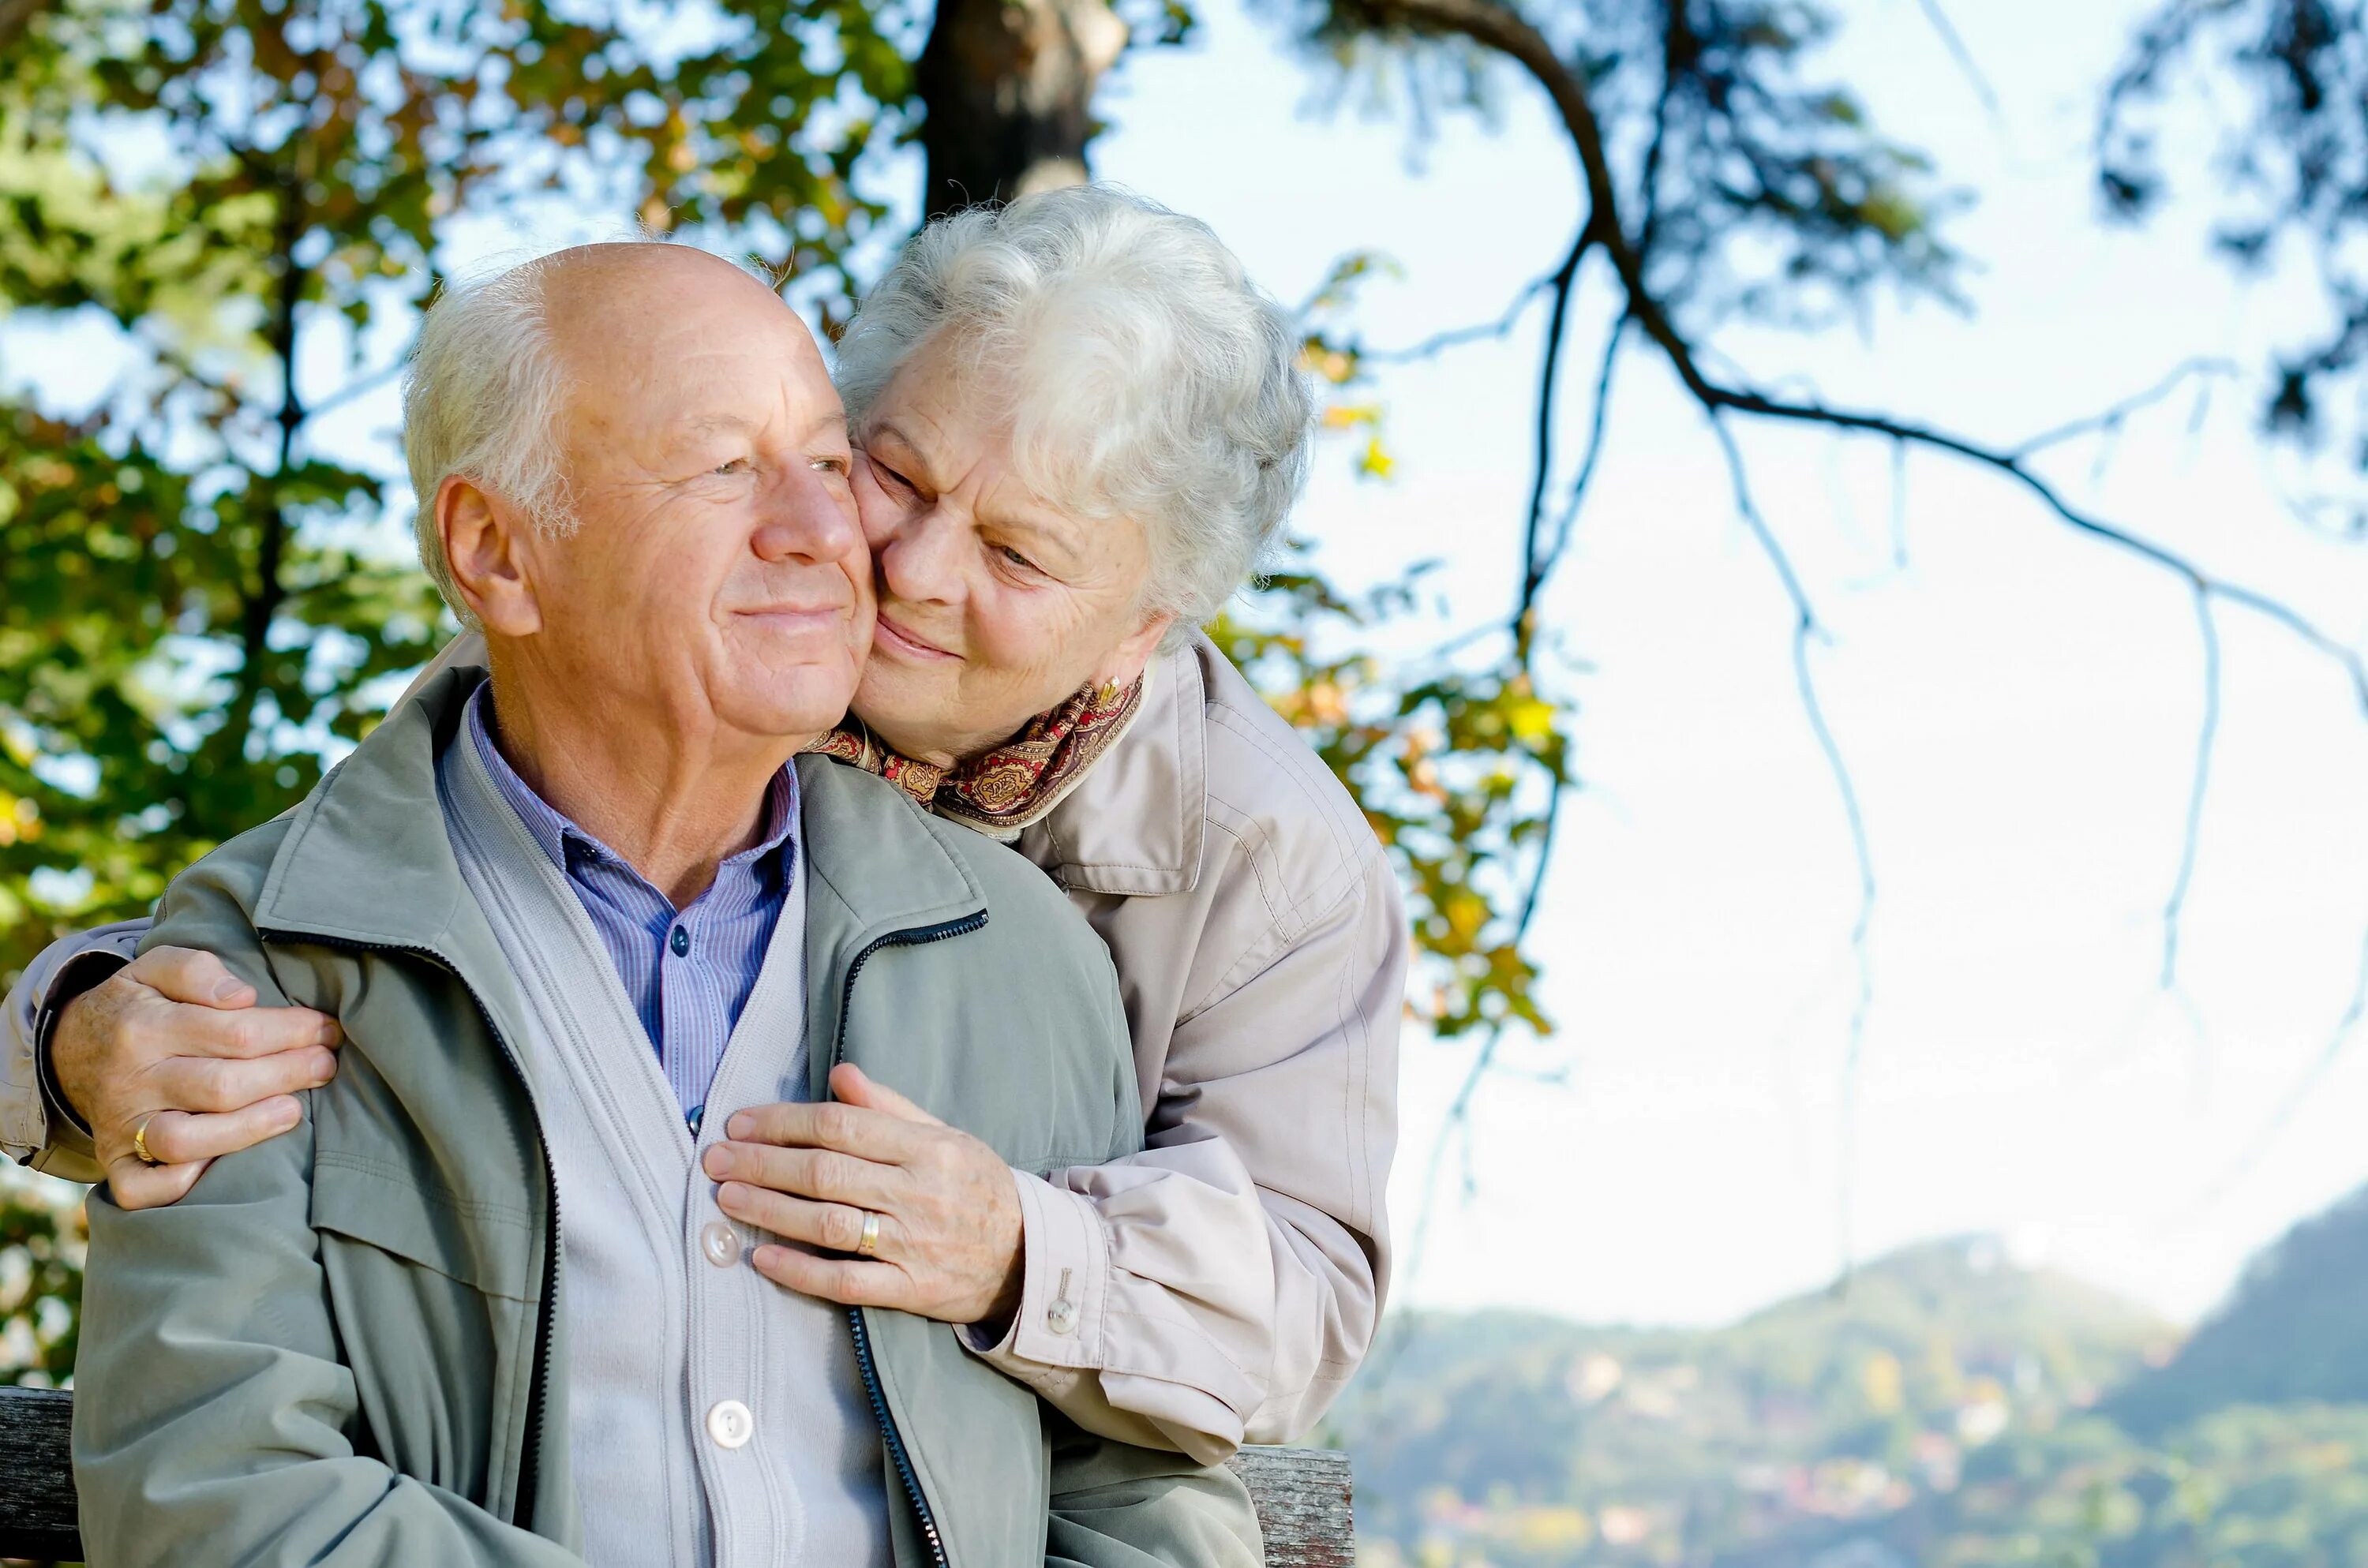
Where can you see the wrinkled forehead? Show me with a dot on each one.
(682, 335)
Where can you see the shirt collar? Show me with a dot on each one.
(556, 835)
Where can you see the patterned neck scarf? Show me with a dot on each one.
(1009, 786)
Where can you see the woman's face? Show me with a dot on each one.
(994, 606)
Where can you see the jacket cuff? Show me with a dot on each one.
(68, 1132)
(1064, 1285)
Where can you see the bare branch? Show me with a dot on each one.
(1899, 505)
(1805, 628)
(358, 387)
(1455, 337)
(2207, 732)
(1963, 56)
(2109, 420)
(2295, 1097)
(1496, 26)
(1458, 1119)
(1569, 522)
(1566, 278)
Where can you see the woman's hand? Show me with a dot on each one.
(949, 1242)
(173, 1042)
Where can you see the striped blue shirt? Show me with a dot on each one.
(687, 971)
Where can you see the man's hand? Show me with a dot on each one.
(175, 1041)
(950, 1223)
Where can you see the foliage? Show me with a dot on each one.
(225, 194)
(1450, 764)
(41, 1239)
(2292, 174)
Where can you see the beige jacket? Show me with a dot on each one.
(1221, 1287)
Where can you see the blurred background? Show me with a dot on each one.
(1838, 565)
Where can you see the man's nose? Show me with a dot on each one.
(806, 517)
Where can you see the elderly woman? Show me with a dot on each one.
(1080, 427)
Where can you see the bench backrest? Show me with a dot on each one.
(1302, 1493)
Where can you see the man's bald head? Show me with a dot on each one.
(513, 369)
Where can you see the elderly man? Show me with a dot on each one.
(374, 1339)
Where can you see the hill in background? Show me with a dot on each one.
(2295, 1328)
(1947, 1408)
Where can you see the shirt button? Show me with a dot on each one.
(730, 1425)
(680, 942)
(1061, 1317)
(720, 1243)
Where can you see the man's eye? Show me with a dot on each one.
(1015, 558)
(880, 471)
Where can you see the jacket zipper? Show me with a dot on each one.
(889, 1436)
(531, 1463)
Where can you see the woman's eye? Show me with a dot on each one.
(737, 465)
(830, 465)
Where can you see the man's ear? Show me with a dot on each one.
(483, 543)
(1126, 661)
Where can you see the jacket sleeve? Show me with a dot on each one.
(212, 1413)
(34, 1129)
(1221, 1287)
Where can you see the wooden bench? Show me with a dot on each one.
(1302, 1493)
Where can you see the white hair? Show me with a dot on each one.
(483, 402)
(1142, 374)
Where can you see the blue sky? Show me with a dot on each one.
(2020, 708)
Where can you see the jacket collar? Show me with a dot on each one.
(1136, 823)
(368, 860)
(876, 860)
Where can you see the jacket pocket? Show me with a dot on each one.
(485, 1246)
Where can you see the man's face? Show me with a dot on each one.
(717, 575)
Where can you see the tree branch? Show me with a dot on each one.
(1954, 42)
(2263, 1141)
(1569, 522)
(2108, 421)
(1496, 26)
(1806, 628)
(2208, 731)
(1454, 337)
(1532, 572)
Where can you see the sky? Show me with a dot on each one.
(2019, 707)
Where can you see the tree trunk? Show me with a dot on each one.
(1010, 85)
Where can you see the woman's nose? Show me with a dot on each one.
(916, 559)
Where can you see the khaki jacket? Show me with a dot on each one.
(345, 1344)
(1228, 1279)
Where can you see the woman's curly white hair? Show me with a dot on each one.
(1141, 374)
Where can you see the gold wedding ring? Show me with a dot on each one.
(868, 1243)
(140, 1140)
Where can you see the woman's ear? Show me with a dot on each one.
(483, 544)
(1127, 660)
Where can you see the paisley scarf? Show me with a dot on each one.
(1009, 786)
